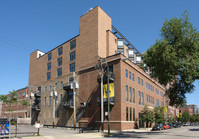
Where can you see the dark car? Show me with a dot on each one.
(158, 127)
(176, 125)
(170, 126)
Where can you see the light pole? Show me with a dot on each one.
(74, 100)
(108, 77)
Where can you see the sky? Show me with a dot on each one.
(44, 24)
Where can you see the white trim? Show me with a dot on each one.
(15, 111)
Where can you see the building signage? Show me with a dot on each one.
(111, 90)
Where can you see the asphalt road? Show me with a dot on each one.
(176, 133)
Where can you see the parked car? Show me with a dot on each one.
(166, 126)
(170, 126)
(179, 124)
(158, 127)
(186, 124)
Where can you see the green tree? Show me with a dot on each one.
(4, 99)
(147, 115)
(159, 115)
(185, 117)
(174, 58)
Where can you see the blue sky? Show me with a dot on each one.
(44, 24)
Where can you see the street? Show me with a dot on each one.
(59, 133)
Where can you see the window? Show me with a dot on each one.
(130, 75)
(72, 67)
(133, 77)
(157, 91)
(157, 103)
(127, 114)
(161, 94)
(55, 100)
(39, 89)
(141, 82)
(49, 56)
(133, 95)
(147, 98)
(55, 86)
(61, 85)
(70, 97)
(59, 72)
(48, 76)
(49, 100)
(50, 87)
(60, 51)
(120, 43)
(45, 88)
(146, 84)
(162, 103)
(126, 73)
(59, 61)
(19, 94)
(126, 93)
(49, 66)
(130, 98)
(138, 80)
(133, 114)
(72, 56)
(130, 114)
(71, 79)
(139, 94)
(24, 93)
(72, 44)
(61, 96)
(45, 101)
(142, 98)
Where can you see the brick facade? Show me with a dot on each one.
(95, 40)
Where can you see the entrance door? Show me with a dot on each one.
(141, 123)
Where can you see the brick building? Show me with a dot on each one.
(51, 75)
(17, 109)
(183, 109)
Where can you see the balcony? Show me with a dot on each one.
(111, 79)
(112, 101)
(68, 86)
(68, 105)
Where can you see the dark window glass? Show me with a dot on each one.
(72, 44)
(59, 72)
(49, 66)
(130, 114)
(133, 114)
(49, 100)
(59, 61)
(72, 67)
(129, 75)
(72, 56)
(127, 93)
(133, 95)
(126, 73)
(61, 85)
(48, 76)
(138, 80)
(60, 51)
(133, 77)
(61, 99)
(45, 101)
(139, 94)
(130, 98)
(45, 88)
(70, 97)
(127, 114)
(141, 82)
(39, 89)
(49, 56)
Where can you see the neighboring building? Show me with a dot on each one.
(17, 109)
(194, 108)
(183, 109)
(53, 72)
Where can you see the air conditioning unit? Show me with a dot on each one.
(83, 104)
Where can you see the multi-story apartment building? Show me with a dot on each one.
(51, 75)
(194, 108)
(17, 110)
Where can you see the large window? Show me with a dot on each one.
(142, 98)
(48, 75)
(72, 44)
(139, 94)
(59, 72)
(133, 114)
(72, 67)
(126, 73)
(133, 77)
(61, 97)
(130, 98)
(49, 66)
(157, 103)
(72, 56)
(157, 91)
(70, 97)
(45, 88)
(127, 93)
(49, 100)
(49, 56)
(127, 114)
(130, 114)
(59, 61)
(120, 43)
(133, 95)
(60, 51)
(129, 75)
(139, 80)
(61, 85)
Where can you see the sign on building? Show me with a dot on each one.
(111, 90)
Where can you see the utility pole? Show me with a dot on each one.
(54, 95)
(108, 77)
(74, 100)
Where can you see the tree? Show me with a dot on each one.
(185, 117)
(174, 58)
(147, 116)
(159, 115)
(4, 99)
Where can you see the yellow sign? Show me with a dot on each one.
(178, 115)
(165, 109)
(111, 90)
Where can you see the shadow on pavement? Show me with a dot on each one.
(194, 129)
